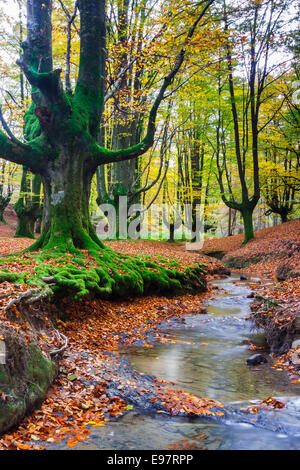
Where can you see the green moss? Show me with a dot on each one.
(4, 143)
(31, 124)
(39, 368)
(107, 274)
(4, 379)
(25, 379)
(12, 277)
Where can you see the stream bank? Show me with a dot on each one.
(34, 319)
(114, 386)
(206, 356)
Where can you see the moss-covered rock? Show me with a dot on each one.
(286, 270)
(24, 378)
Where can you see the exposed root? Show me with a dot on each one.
(103, 273)
(55, 352)
(30, 296)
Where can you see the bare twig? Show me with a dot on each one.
(54, 352)
(8, 131)
(31, 295)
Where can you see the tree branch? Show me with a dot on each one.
(29, 155)
(89, 92)
(109, 156)
(8, 131)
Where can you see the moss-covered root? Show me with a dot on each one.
(24, 378)
(106, 274)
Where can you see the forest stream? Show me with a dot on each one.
(208, 359)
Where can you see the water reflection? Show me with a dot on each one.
(155, 432)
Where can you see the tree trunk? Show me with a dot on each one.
(24, 227)
(38, 226)
(27, 206)
(2, 220)
(172, 233)
(4, 201)
(229, 222)
(66, 222)
(247, 215)
(284, 216)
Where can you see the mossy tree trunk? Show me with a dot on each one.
(66, 221)
(4, 201)
(2, 220)
(5, 193)
(247, 215)
(62, 126)
(281, 202)
(284, 216)
(27, 207)
(246, 114)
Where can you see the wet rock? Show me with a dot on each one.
(250, 296)
(243, 278)
(295, 359)
(295, 344)
(256, 359)
(25, 377)
(286, 270)
(283, 271)
(84, 354)
(297, 324)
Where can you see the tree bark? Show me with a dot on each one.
(247, 215)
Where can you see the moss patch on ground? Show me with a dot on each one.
(104, 273)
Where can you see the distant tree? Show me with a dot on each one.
(28, 206)
(7, 186)
(255, 28)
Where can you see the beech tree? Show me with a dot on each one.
(28, 205)
(61, 130)
(66, 153)
(7, 172)
(261, 22)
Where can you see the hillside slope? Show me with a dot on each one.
(275, 251)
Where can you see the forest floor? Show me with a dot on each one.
(89, 390)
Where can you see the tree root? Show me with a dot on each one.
(55, 352)
(103, 273)
(30, 296)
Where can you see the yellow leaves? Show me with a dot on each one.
(96, 424)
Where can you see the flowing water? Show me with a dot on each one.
(208, 359)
